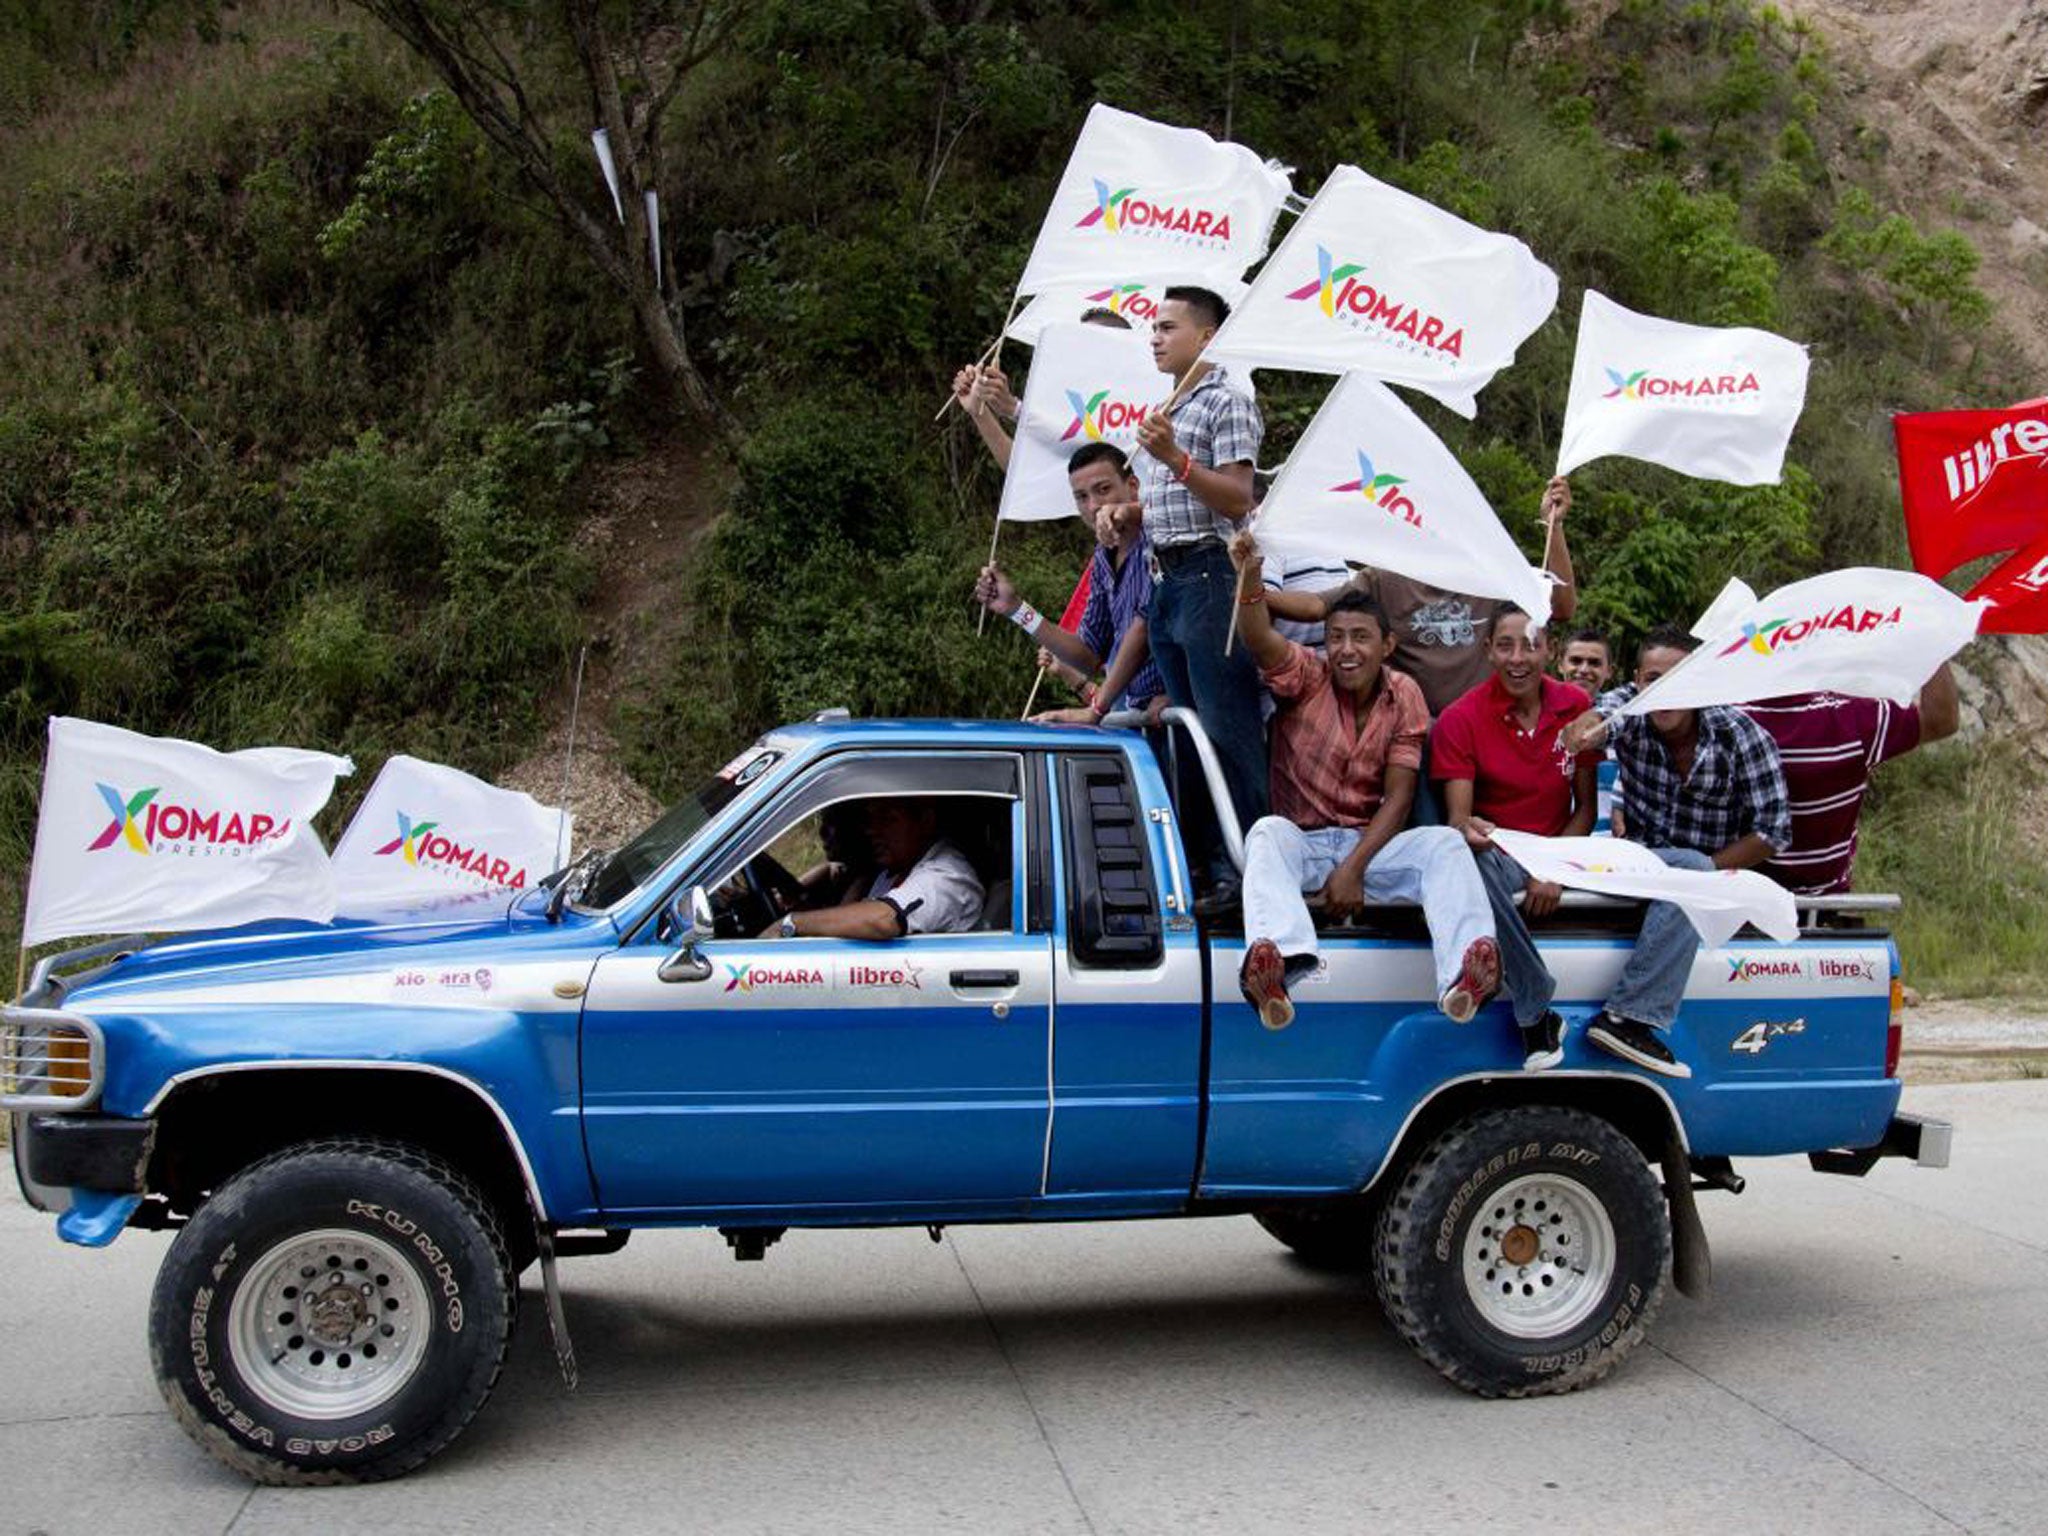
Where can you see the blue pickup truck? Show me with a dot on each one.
(364, 1132)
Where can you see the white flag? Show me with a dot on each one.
(1714, 403)
(426, 831)
(1369, 482)
(1088, 384)
(147, 834)
(1147, 200)
(1865, 632)
(1137, 300)
(1373, 279)
(1734, 599)
(1717, 902)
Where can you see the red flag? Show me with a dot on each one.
(2018, 590)
(1975, 483)
(1077, 605)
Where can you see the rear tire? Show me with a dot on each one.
(335, 1313)
(1525, 1251)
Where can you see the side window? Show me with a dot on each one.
(812, 848)
(1112, 897)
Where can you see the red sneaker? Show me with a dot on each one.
(1477, 981)
(1264, 981)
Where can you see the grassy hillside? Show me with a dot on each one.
(304, 399)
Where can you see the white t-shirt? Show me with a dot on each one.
(941, 894)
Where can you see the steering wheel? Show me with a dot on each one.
(770, 891)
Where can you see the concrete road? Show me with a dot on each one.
(1875, 1359)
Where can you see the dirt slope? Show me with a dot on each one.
(1959, 88)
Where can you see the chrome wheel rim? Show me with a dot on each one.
(330, 1324)
(1539, 1256)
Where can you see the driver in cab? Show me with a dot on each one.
(922, 883)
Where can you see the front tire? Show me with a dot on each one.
(335, 1313)
(1525, 1251)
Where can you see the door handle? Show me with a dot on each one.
(984, 978)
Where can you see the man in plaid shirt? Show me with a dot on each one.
(1702, 789)
(1196, 486)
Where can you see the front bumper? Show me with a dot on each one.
(88, 1171)
(1924, 1140)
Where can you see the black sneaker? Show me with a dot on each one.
(1637, 1044)
(1223, 897)
(1543, 1043)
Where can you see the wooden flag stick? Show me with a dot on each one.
(1197, 371)
(1230, 640)
(21, 974)
(1032, 697)
(981, 624)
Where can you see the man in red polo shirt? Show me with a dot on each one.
(1497, 755)
(1828, 745)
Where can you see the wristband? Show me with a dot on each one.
(1027, 618)
(1088, 693)
(1257, 597)
(1098, 706)
(1187, 467)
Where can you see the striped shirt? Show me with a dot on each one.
(1116, 599)
(1829, 744)
(1329, 767)
(1217, 426)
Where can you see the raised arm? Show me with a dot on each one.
(1254, 624)
(980, 392)
(1941, 707)
(1557, 555)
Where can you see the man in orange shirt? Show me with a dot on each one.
(1347, 747)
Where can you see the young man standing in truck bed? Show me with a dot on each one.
(1347, 746)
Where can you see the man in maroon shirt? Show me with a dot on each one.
(1497, 755)
(1828, 745)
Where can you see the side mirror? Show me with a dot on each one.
(687, 923)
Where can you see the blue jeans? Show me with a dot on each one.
(1428, 865)
(1654, 979)
(1189, 619)
(1523, 975)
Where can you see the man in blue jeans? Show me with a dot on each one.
(1702, 789)
(1196, 488)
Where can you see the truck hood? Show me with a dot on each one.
(391, 937)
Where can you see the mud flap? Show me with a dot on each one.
(1692, 1261)
(558, 1321)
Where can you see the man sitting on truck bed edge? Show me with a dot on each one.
(1702, 789)
(1501, 764)
(1347, 746)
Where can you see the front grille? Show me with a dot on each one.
(49, 1060)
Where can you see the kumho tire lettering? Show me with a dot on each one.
(1469, 1265)
(448, 1288)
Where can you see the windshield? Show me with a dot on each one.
(629, 868)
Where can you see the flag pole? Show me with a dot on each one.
(569, 760)
(21, 968)
(1032, 697)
